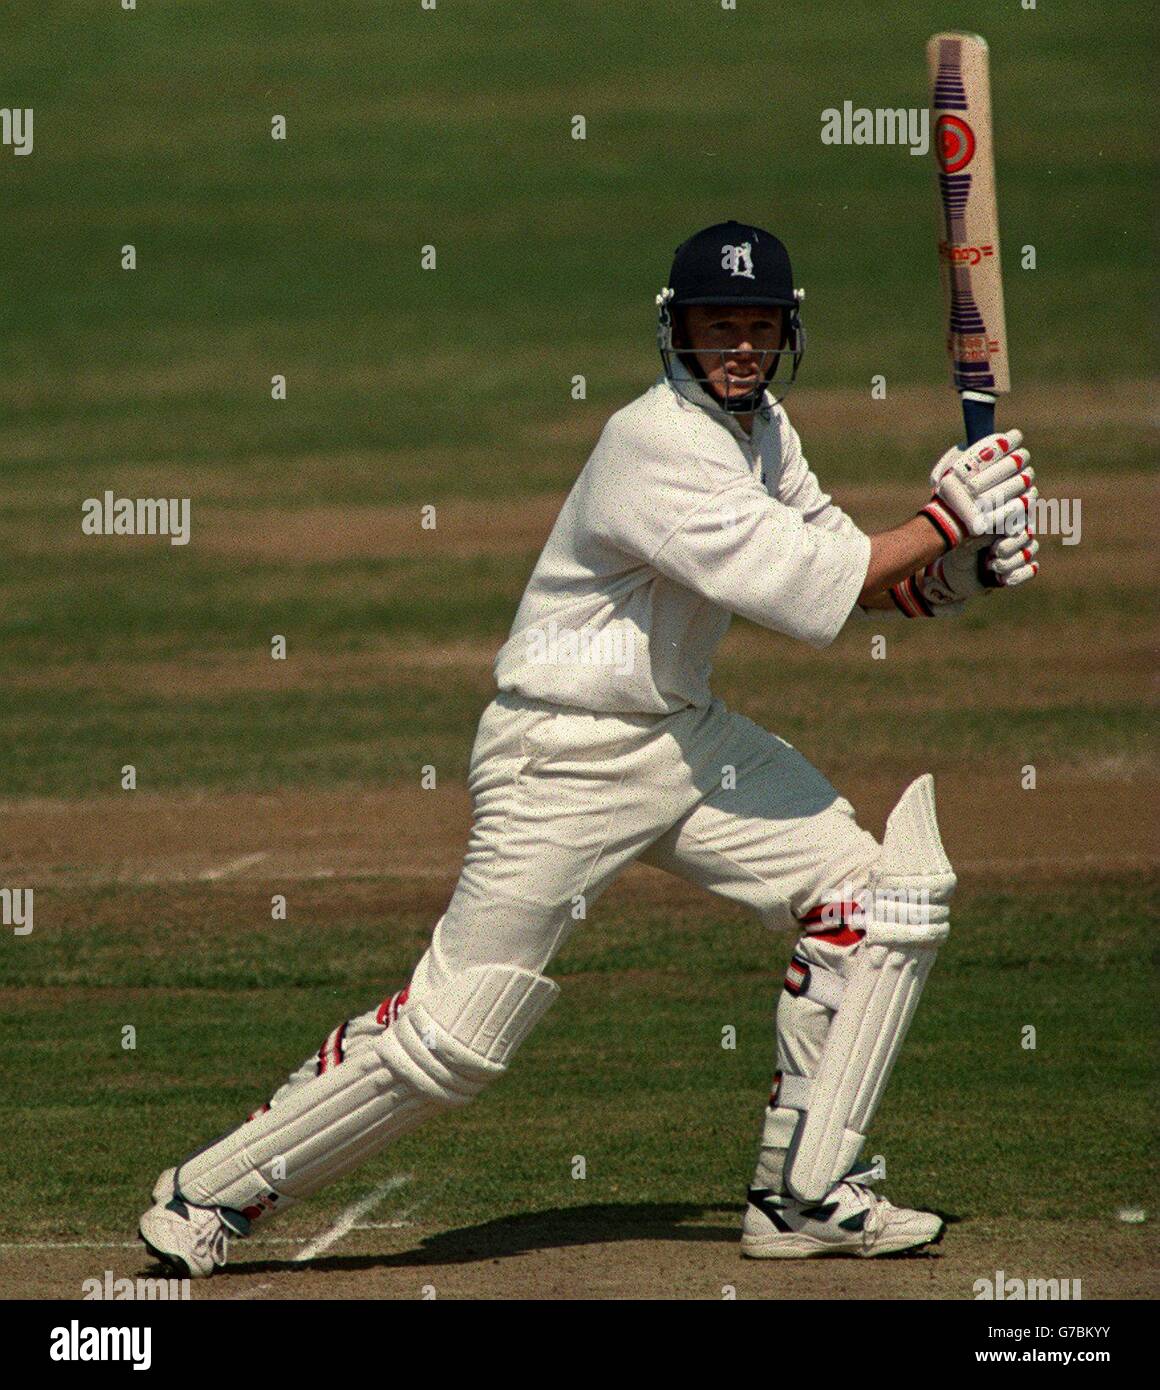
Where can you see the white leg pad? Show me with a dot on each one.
(907, 920)
(457, 1031)
(460, 1028)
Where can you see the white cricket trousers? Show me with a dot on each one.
(564, 800)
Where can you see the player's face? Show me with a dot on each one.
(732, 344)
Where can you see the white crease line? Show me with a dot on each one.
(234, 866)
(136, 1244)
(211, 875)
(352, 1214)
(71, 1245)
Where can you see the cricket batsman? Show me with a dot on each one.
(605, 744)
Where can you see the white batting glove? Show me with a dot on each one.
(1010, 561)
(942, 588)
(983, 490)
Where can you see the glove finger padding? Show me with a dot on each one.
(994, 499)
(1007, 552)
(1010, 518)
(1015, 578)
(995, 473)
(972, 486)
(1011, 561)
(978, 456)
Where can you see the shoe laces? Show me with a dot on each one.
(876, 1216)
(877, 1208)
(212, 1240)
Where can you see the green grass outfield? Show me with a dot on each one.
(407, 387)
(452, 127)
(627, 1070)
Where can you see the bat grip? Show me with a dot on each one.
(978, 415)
(979, 418)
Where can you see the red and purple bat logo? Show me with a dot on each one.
(954, 143)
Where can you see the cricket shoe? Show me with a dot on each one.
(193, 1241)
(850, 1220)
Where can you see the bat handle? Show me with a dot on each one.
(978, 414)
(979, 418)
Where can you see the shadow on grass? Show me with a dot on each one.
(521, 1234)
(526, 1232)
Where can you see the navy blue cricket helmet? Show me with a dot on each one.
(732, 263)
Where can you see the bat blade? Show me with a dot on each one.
(968, 244)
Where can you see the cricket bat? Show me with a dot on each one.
(968, 244)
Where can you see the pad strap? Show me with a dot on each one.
(793, 1091)
(804, 980)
